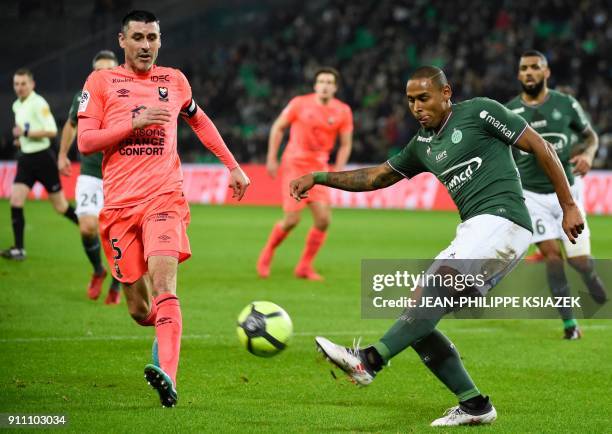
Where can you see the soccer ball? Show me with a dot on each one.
(264, 328)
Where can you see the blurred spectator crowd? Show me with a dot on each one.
(376, 44)
(244, 77)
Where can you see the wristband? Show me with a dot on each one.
(26, 130)
(319, 177)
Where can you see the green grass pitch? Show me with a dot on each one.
(62, 353)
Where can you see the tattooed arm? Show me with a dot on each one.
(367, 179)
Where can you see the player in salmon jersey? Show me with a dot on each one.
(316, 119)
(130, 113)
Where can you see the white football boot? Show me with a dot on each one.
(455, 416)
(348, 359)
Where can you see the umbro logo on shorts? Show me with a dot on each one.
(123, 93)
(163, 237)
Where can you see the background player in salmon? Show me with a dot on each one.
(130, 113)
(316, 119)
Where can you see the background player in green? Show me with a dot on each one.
(466, 146)
(34, 128)
(89, 192)
(555, 116)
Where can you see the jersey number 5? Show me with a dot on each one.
(116, 249)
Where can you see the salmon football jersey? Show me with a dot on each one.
(145, 163)
(314, 128)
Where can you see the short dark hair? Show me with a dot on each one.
(138, 16)
(433, 73)
(535, 53)
(104, 54)
(328, 70)
(25, 71)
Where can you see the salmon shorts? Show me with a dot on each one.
(157, 227)
(318, 193)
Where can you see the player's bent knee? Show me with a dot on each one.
(322, 223)
(60, 207)
(290, 222)
(17, 202)
(88, 228)
(552, 255)
(138, 312)
(582, 264)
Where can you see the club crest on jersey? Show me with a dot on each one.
(456, 136)
(330, 120)
(163, 93)
(556, 114)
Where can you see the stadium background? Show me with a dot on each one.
(246, 59)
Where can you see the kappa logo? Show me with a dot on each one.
(465, 175)
(503, 128)
(123, 93)
(163, 93)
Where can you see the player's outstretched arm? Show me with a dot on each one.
(208, 134)
(344, 151)
(274, 141)
(532, 142)
(68, 134)
(366, 179)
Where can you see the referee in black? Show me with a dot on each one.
(34, 128)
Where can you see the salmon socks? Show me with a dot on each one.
(168, 329)
(304, 269)
(166, 316)
(314, 241)
(265, 257)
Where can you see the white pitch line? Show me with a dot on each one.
(209, 336)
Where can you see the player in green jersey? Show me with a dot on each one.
(467, 147)
(555, 116)
(89, 194)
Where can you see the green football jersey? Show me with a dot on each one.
(471, 157)
(556, 120)
(90, 164)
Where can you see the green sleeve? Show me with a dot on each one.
(407, 162)
(579, 121)
(497, 121)
(74, 109)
